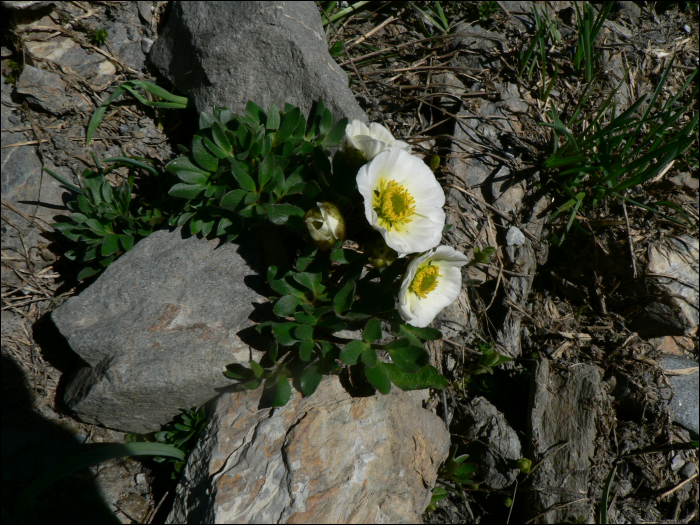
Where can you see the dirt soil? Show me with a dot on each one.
(422, 83)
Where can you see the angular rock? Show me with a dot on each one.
(493, 444)
(44, 89)
(329, 458)
(562, 430)
(673, 273)
(157, 329)
(224, 54)
(684, 379)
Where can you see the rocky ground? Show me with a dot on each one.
(604, 344)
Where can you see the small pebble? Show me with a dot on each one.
(677, 462)
(146, 45)
(515, 237)
(686, 28)
(689, 470)
(123, 129)
(14, 119)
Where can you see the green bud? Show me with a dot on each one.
(379, 253)
(325, 224)
(524, 465)
(508, 501)
(434, 162)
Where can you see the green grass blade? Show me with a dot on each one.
(100, 113)
(603, 516)
(133, 162)
(162, 93)
(90, 458)
(64, 181)
(344, 12)
(649, 208)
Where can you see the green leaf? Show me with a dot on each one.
(96, 226)
(283, 333)
(106, 191)
(290, 121)
(344, 298)
(428, 377)
(244, 179)
(214, 149)
(286, 305)
(205, 159)
(310, 378)
(431, 334)
(258, 370)
(373, 330)
(127, 242)
(280, 213)
(219, 134)
(110, 244)
(267, 167)
(312, 281)
(410, 359)
(273, 120)
(304, 332)
(352, 351)
(337, 134)
(192, 177)
(369, 357)
(284, 391)
(379, 378)
(255, 112)
(303, 318)
(306, 349)
(232, 199)
(184, 164)
(344, 256)
(63, 181)
(186, 191)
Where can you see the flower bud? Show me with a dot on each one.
(379, 253)
(326, 225)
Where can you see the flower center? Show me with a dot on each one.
(425, 281)
(393, 204)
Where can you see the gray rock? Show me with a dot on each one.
(45, 90)
(562, 430)
(673, 273)
(514, 237)
(493, 444)
(631, 9)
(226, 54)
(157, 329)
(683, 377)
(329, 458)
(28, 4)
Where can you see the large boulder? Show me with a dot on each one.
(329, 458)
(224, 54)
(157, 329)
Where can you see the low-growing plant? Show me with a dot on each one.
(182, 433)
(599, 158)
(547, 34)
(105, 222)
(99, 36)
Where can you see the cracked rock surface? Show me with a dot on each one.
(329, 458)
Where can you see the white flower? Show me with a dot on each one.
(431, 283)
(403, 201)
(325, 224)
(371, 141)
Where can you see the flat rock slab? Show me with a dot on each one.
(224, 54)
(684, 379)
(562, 430)
(329, 458)
(157, 330)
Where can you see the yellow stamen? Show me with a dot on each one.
(425, 281)
(393, 204)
